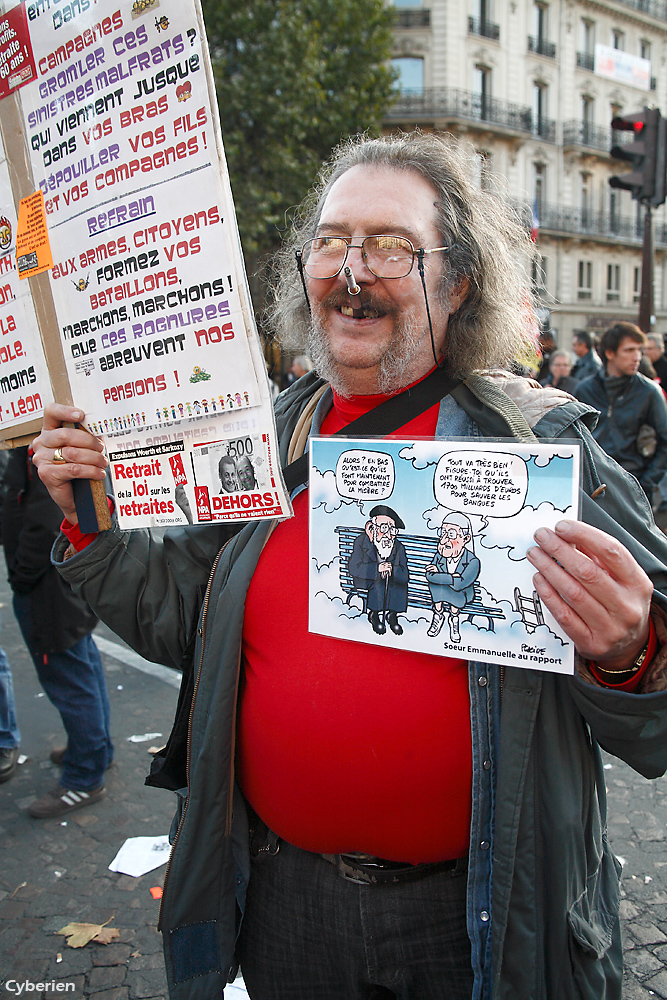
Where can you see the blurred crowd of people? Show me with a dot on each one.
(624, 376)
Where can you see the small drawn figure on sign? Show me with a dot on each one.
(379, 564)
(452, 574)
(5, 234)
(162, 23)
(82, 284)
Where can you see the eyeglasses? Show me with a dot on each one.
(384, 256)
(384, 528)
(452, 533)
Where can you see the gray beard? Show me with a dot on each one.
(394, 365)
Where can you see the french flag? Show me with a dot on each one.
(535, 224)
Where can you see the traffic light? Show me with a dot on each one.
(646, 181)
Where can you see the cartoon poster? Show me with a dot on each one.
(422, 545)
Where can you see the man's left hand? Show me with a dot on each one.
(385, 569)
(595, 589)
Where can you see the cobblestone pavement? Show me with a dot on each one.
(53, 873)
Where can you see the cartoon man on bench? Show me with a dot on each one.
(452, 574)
(379, 565)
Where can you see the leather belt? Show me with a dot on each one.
(368, 870)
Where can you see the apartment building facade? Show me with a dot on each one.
(533, 85)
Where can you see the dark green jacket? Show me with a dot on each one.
(543, 885)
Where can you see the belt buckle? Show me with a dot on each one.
(352, 874)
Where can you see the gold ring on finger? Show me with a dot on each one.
(58, 457)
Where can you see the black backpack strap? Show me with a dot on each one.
(383, 419)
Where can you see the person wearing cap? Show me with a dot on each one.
(452, 574)
(359, 820)
(379, 564)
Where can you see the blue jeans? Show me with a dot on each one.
(9, 730)
(309, 933)
(74, 683)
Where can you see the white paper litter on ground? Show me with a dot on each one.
(236, 990)
(139, 855)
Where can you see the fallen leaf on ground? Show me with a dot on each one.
(78, 935)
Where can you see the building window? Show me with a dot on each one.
(617, 39)
(585, 283)
(540, 104)
(482, 169)
(645, 49)
(614, 217)
(586, 53)
(588, 37)
(410, 74)
(539, 275)
(481, 88)
(637, 284)
(613, 282)
(539, 189)
(541, 24)
(586, 201)
(587, 119)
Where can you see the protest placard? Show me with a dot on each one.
(152, 310)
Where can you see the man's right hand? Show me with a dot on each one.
(84, 453)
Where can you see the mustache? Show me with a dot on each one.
(341, 297)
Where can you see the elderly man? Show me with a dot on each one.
(655, 352)
(560, 366)
(379, 565)
(372, 779)
(452, 574)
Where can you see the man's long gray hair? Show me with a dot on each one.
(490, 248)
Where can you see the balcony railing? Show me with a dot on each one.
(586, 222)
(479, 26)
(448, 102)
(586, 60)
(541, 47)
(412, 18)
(578, 133)
(656, 8)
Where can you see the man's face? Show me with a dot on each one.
(228, 478)
(452, 541)
(579, 348)
(652, 351)
(297, 370)
(393, 334)
(246, 474)
(560, 368)
(624, 361)
(384, 530)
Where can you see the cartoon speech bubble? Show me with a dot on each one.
(490, 483)
(365, 475)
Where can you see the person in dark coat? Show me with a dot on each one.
(56, 627)
(379, 564)
(560, 366)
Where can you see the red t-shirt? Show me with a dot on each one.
(345, 746)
